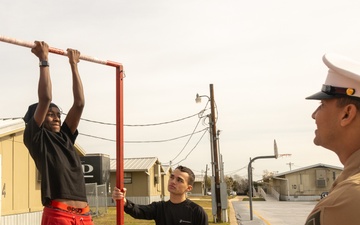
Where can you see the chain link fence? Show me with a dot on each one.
(97, 198)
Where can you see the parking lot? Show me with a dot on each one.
(273, 212)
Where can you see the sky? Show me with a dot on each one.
(262, 57)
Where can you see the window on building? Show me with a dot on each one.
(127, 178)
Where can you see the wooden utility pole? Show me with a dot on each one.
(216, 155)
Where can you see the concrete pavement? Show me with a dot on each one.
(241, 215)
(270, 212)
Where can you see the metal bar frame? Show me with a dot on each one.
(119, 114)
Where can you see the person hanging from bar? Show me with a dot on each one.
(51, 145)
(177, 211)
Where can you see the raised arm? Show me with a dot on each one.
(74, 115)
(41, 50)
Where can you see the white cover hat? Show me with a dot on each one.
(343, 78)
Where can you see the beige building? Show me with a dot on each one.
(303, 184)
(20, 183)
(144, 178)
(198, 187)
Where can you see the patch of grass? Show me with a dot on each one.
(110, 217)
(254, 199)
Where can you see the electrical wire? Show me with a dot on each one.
(197, 124)
(192, 148)
(138, 125)
(235, 171)
(11, 118)
(171, 139)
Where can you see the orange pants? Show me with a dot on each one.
(56, 217)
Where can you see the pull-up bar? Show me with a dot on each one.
(119, 115)
(58, 51)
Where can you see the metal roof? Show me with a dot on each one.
(10, 126)
(319, 165)
(167, 168)
(136, 164)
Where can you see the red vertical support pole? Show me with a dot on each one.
(119, 143)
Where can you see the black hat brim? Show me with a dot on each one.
(319, 96)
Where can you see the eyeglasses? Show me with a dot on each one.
(328, 89)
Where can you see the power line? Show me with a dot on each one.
(166, 140)
(128, 125)
(197, 124)
(11, 118)
(192, 148)
(235, 171)
(101, 138)
(131, 142)
(138, 125)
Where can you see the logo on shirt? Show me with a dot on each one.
(314, 219)
(184, 221)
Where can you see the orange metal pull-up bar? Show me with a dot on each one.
(59, 51)
(119, 114)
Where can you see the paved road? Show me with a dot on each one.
(272, 212)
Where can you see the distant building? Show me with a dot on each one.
(144, 178)
(198, 187)
(304, 184)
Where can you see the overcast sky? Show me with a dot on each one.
(263, 58)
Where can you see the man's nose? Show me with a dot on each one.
(314, 113)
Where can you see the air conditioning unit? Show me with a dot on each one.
(320, 178)
(320, 183)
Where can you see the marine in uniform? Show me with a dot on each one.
(338, 129)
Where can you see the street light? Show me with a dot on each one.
(198, 98)
(214, 151)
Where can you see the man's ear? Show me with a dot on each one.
(348, 114)
(189, 188)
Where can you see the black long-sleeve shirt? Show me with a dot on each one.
(168, 213)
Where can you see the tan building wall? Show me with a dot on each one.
(165, 181)
(20, 187)
(144, 188)
(308, 182)
(198, 188)
(139, 185)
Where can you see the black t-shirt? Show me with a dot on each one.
(56, 159)
(168, 213)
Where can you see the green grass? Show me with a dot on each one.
(110, 217)
(254, 199)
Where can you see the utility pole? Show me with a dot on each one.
(215, 155)
(214, 139)
(290, 164)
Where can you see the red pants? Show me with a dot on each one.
(56, 217)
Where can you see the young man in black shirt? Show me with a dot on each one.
(177, 211)
(51, 145)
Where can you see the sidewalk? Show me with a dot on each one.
(241, 216)
(269, 212)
